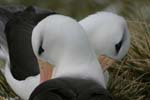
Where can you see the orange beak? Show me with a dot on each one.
(106, 62)
(46, 70)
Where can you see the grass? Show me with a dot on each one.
(5, 90)
(130, 78)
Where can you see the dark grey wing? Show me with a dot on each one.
(6, 13)
(18, 32)
(70, 89)
(54, 89)
(86, 89)
(90, 90)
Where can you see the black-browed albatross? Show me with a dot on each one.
(21, 69)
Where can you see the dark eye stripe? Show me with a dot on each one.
(118, 46)
(41, 50)
(122, 41)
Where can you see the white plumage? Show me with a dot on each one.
(66, 46)
(105, 30)
(22, 88)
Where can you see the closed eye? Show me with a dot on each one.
(118, 46)
(41, 50)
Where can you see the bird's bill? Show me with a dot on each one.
(105, 62)
(46, 70)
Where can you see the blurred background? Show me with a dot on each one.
(81, 8)
(129, 78)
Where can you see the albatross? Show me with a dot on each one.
(107, 28)
(109, 35)
(21, 70)
(24, 80)
(96, 27)
(55, 77)
(77, 73)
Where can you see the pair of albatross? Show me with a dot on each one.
(65, 44)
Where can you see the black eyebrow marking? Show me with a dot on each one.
(41, 50)
(118, 46)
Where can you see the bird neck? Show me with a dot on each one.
(67, 48)
(76, 58)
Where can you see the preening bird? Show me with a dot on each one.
(65, 45)
(108, 34)
(62, 42)
(74, 60)
(21, 69)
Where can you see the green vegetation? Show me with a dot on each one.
(130, 78)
